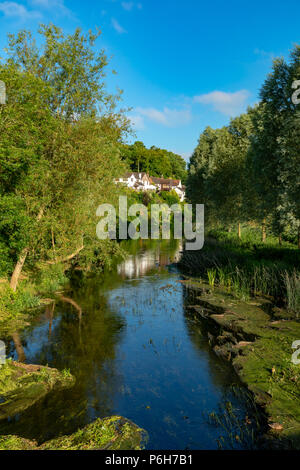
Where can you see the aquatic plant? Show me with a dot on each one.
(211, 274)
(239, 429)
(292, 284)
(247, 269)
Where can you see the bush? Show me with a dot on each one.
(51, 279)
(12, 303)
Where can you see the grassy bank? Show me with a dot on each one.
(247, 267)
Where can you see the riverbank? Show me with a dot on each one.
(257, 339)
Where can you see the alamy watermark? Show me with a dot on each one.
(152, 221)
(2, 92)
(2, 353)
(296, 94)
(295, 358)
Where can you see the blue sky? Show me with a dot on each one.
(183, 64)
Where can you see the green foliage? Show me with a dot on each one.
(170, 197)
(68, 64)
(50, 279)
(12, 303)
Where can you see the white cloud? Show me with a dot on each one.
(15, 10)
(41, 3)
(138, 122)
(116, 25)
(57, 5)
(127, 5)
(264, 54)
(167, 117)
(229, 104)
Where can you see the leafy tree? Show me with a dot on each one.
(289, 176)
(273, 120)
(200, 169)
(59, 152)
(217, 172)
(68, 64)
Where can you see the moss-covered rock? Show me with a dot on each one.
(260, 351)
(114, 433)
(16, 443)
(22, 385)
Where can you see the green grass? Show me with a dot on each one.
(211, 274)
(246, 267)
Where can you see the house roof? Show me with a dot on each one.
(165, 181)
(135, 173)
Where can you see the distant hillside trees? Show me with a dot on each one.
(154, 161)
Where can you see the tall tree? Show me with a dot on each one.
(60, 152)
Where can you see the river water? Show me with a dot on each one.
(137, 351)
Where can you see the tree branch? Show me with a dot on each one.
(67, 258)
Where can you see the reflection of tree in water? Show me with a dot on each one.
(82, 336)
(18, 347)
(151, 255)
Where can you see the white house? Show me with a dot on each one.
(140, 181)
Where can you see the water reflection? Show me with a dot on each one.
(19, 347)
(149, 256)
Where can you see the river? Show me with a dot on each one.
(137, 351)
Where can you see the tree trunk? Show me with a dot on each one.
(20, 263)
(280, 239)
(18, 269)
(264, 234)
(299, 238)
(239, 230)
